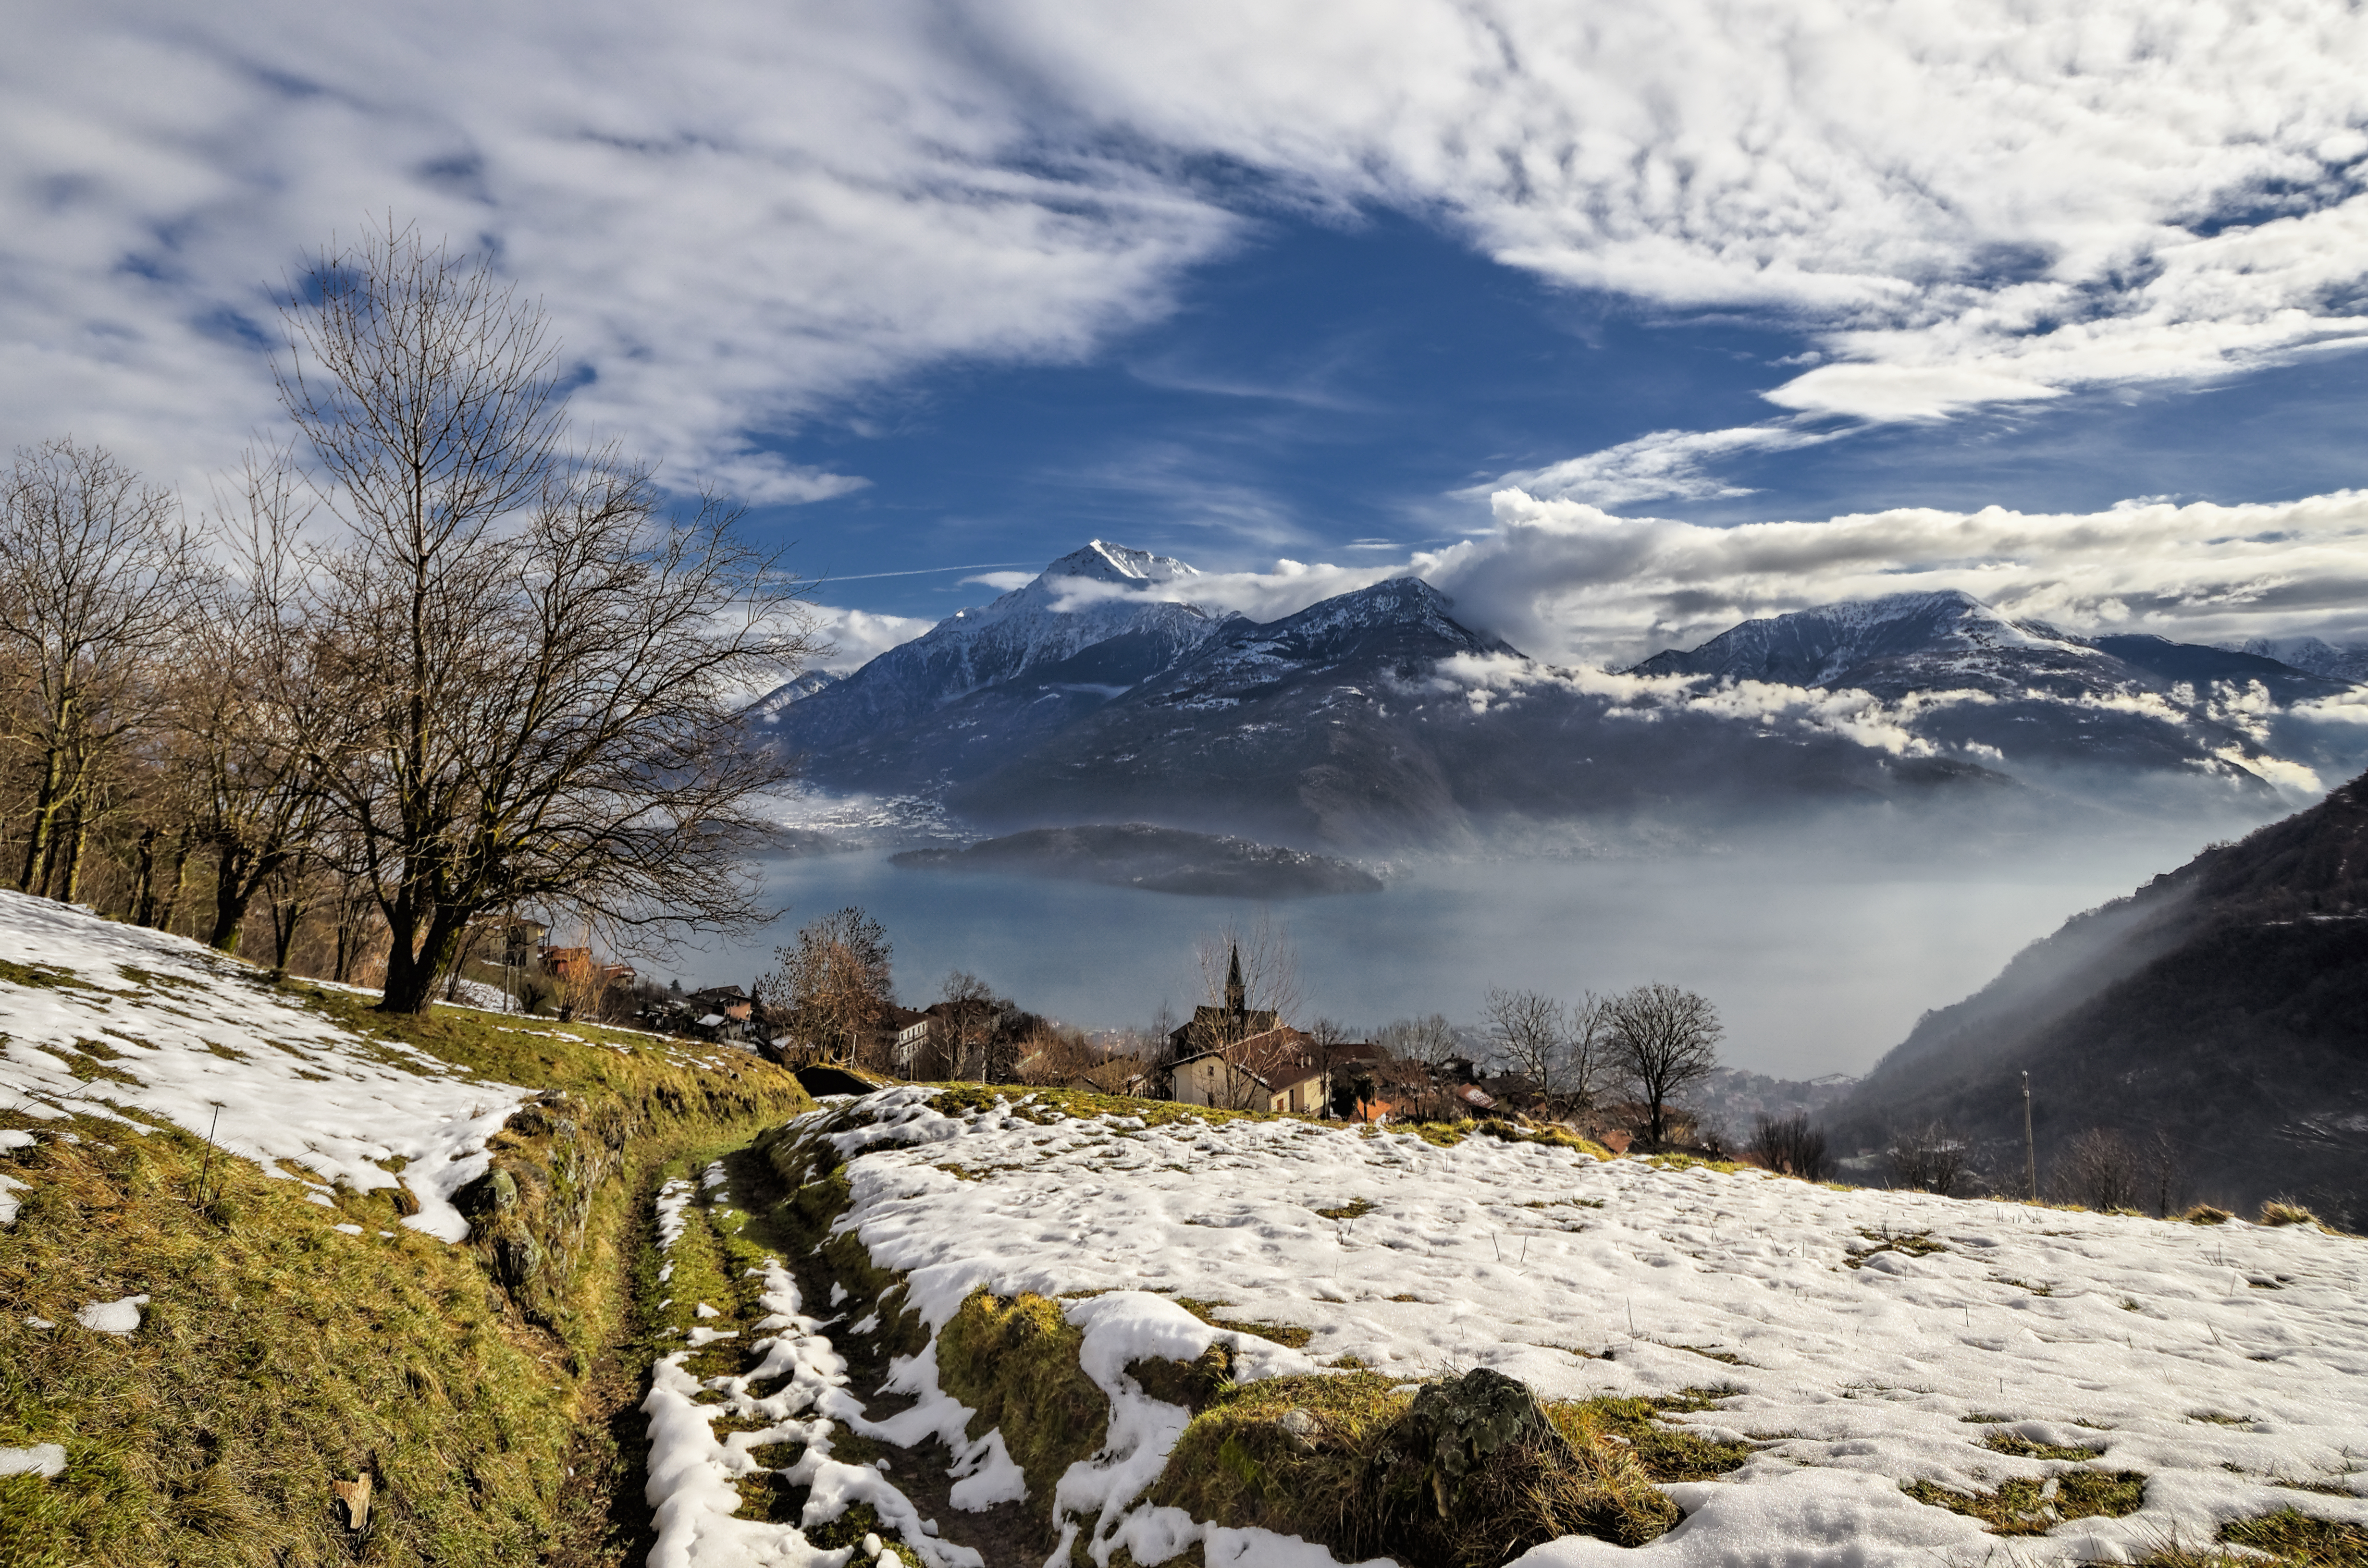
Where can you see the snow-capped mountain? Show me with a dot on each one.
(2315, 654)
(767, 710)
(1849, 644)
(1378, 719)
(1099, 598)
(1950, 641)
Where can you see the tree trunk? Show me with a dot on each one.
(237, 877)
(34, 877)
(412, 973)
(72, 881)
(164, 913)
(144, 878)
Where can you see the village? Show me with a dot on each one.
(828, 1014)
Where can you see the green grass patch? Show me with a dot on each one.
(1290, 1334)
(1347, 1459)
(1355, 1208)
(280, 1356)
(46, 977)
(2015, 1443)
(1015, 1362)
(2290, 1538)
(2028, 1506)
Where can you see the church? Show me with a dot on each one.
(1236, 1057)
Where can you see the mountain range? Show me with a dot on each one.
(2223, 1006)
(1379, 718)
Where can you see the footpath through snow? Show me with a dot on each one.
(1864, 1340)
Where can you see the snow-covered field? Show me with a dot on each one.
(1872, 1338)
(143, 1028)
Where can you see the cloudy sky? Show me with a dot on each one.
(1618, 322)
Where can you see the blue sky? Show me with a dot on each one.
(1619, 322)
(1331, 390)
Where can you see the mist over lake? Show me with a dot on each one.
(1818, 958)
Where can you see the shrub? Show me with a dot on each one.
(2286, 1211)
(1790, 1146)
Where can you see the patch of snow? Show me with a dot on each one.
(347, 1229)
(44, 1460)
(15, 1138)
(209, 1046)
(113, 1317)
(9, 1203)
(1863, 1364)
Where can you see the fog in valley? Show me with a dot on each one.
(1821, 946)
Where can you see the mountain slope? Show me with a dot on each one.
(1084, 600)
(2027, 691)
(2224, 1003)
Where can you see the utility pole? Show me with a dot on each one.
(2030, 1148)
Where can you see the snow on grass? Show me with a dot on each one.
(112, 1020)
(113, 1317)
(45, 1460)
(694, 1471)
(1867, 1341)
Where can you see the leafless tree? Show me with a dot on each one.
(1661, 1040)
(529, 677)
(254, 801)
(1790, 1146)
(1932, 1158)
(2099, 1169)
(1527, 1029)
(834, 982)
(96, 569)
(967, 1026)
(1429, 1040)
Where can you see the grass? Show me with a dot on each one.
(1355, 1208)
(1290, 1334)
(1914, 1243)
(2028, 1506)
(1328, 1456)
(2285, 1212)
(2288, 1538)
(279, 1354)
(276, 1356)
(2015, 1443)
(1015, 1362)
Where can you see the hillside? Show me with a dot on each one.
(2225, 1004)
(1156, 859)
(408, 1253)
(991, 1328)
(653, 1308)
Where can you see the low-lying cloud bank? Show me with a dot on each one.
(1571, 584)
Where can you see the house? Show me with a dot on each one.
(1278, 1069)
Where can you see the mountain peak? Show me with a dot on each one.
(1108, 562)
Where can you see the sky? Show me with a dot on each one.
(1619, 322)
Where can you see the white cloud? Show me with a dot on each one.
(1662, 465)
(739, 212)
(1573, 583)
(1002, 581)
(859, 636)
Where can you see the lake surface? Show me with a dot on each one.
(1818, 963)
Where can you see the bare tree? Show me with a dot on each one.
(2097, 1169)
(1661, 1040)
(1932, 1158)
(96, 568)
(1429, 1040)
(1527, 1028)
(1790, 1146)
(967, 1025)
(253, 799)
(529, 679)
(834, 982)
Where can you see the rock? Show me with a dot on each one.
(1453, 1430)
